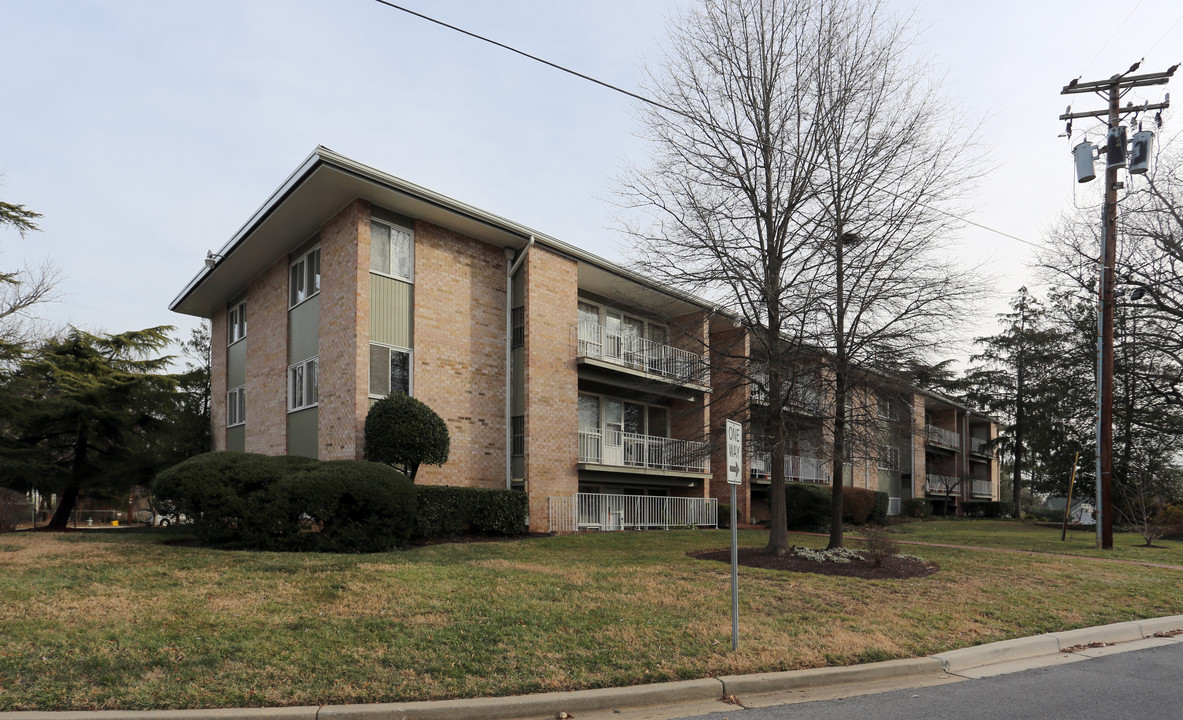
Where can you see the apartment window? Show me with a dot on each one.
(518, 327)
(236, 323)
(889, 457)
(305, 277)
(517, 425)
(887, 409)
(392, 250)
(236, 406)
(302, 385)
(390, 370)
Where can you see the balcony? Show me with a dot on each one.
(613, 448)
(977, 446)
(595, 511)
(632, 354)
(941, 484)
(943, 437)
(801, 399)
(983, 488)
(798, 468)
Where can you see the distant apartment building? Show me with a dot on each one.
(558, 373)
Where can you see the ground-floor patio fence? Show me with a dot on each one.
(603, 511)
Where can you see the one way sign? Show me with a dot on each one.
(734, 452)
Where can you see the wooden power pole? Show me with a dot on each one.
(1112, 91)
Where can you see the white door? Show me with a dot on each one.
(613, 432)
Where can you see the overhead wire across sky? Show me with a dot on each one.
(650, 101)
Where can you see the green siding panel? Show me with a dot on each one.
(302, 433)
(236, 438)
(236, 365)
(304, 330)
(391, 303)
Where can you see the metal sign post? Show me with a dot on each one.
(734, 478)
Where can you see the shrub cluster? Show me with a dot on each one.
(991, 508)
(445, 511)
(917, 508)
(807, 507)
(246, 500)
(1042, 513)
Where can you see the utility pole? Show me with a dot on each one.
(1112, 91)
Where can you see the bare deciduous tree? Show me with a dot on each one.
(801, 168)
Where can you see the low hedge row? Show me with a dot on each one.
(247, 500)
(990, 508)
(808, 507)
(445, 511)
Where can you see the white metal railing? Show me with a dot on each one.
(941, 484)
(802, 399)
(603, 511)
(561, 514)
(983, 488)
(798, 468)
(622, 449)
(597, 342)
(978, 446)
(941, 436)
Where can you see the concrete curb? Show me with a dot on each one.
(741, 685)
(955, 661)
(543, 705)
(638, 697)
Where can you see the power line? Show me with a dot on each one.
(1164, 35)
(650, 101)
(1115, 32)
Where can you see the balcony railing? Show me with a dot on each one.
(798, 468)
(801, 399)
(983, 488)
(622, 449)
(941, 484)
(596, 511)
(977, 446)
(681, 366)
(941, 436)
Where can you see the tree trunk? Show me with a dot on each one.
(778, 534)
(68, 499)
(1020, 420)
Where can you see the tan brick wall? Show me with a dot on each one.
(552, 422)
(460, 352)
(995, 488)
(217, 390)
(918, 437)
(729, 400)
(267, 360)
(344, 333)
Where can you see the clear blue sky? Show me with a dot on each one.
(147, 132)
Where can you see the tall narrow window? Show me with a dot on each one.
(392, 250)
(236, 406)
(305, 277)
(517, 425)
(236, 323)
(303, 388)
(390, 371)
(518, 326)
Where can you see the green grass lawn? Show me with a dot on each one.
(1026, 535)
(119, 620)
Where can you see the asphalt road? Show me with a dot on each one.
(1138, 684)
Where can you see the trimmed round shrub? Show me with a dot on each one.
(358, 506)
(404, 433)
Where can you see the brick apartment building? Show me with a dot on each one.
(557, 372)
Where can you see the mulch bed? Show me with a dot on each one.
(893, 568)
